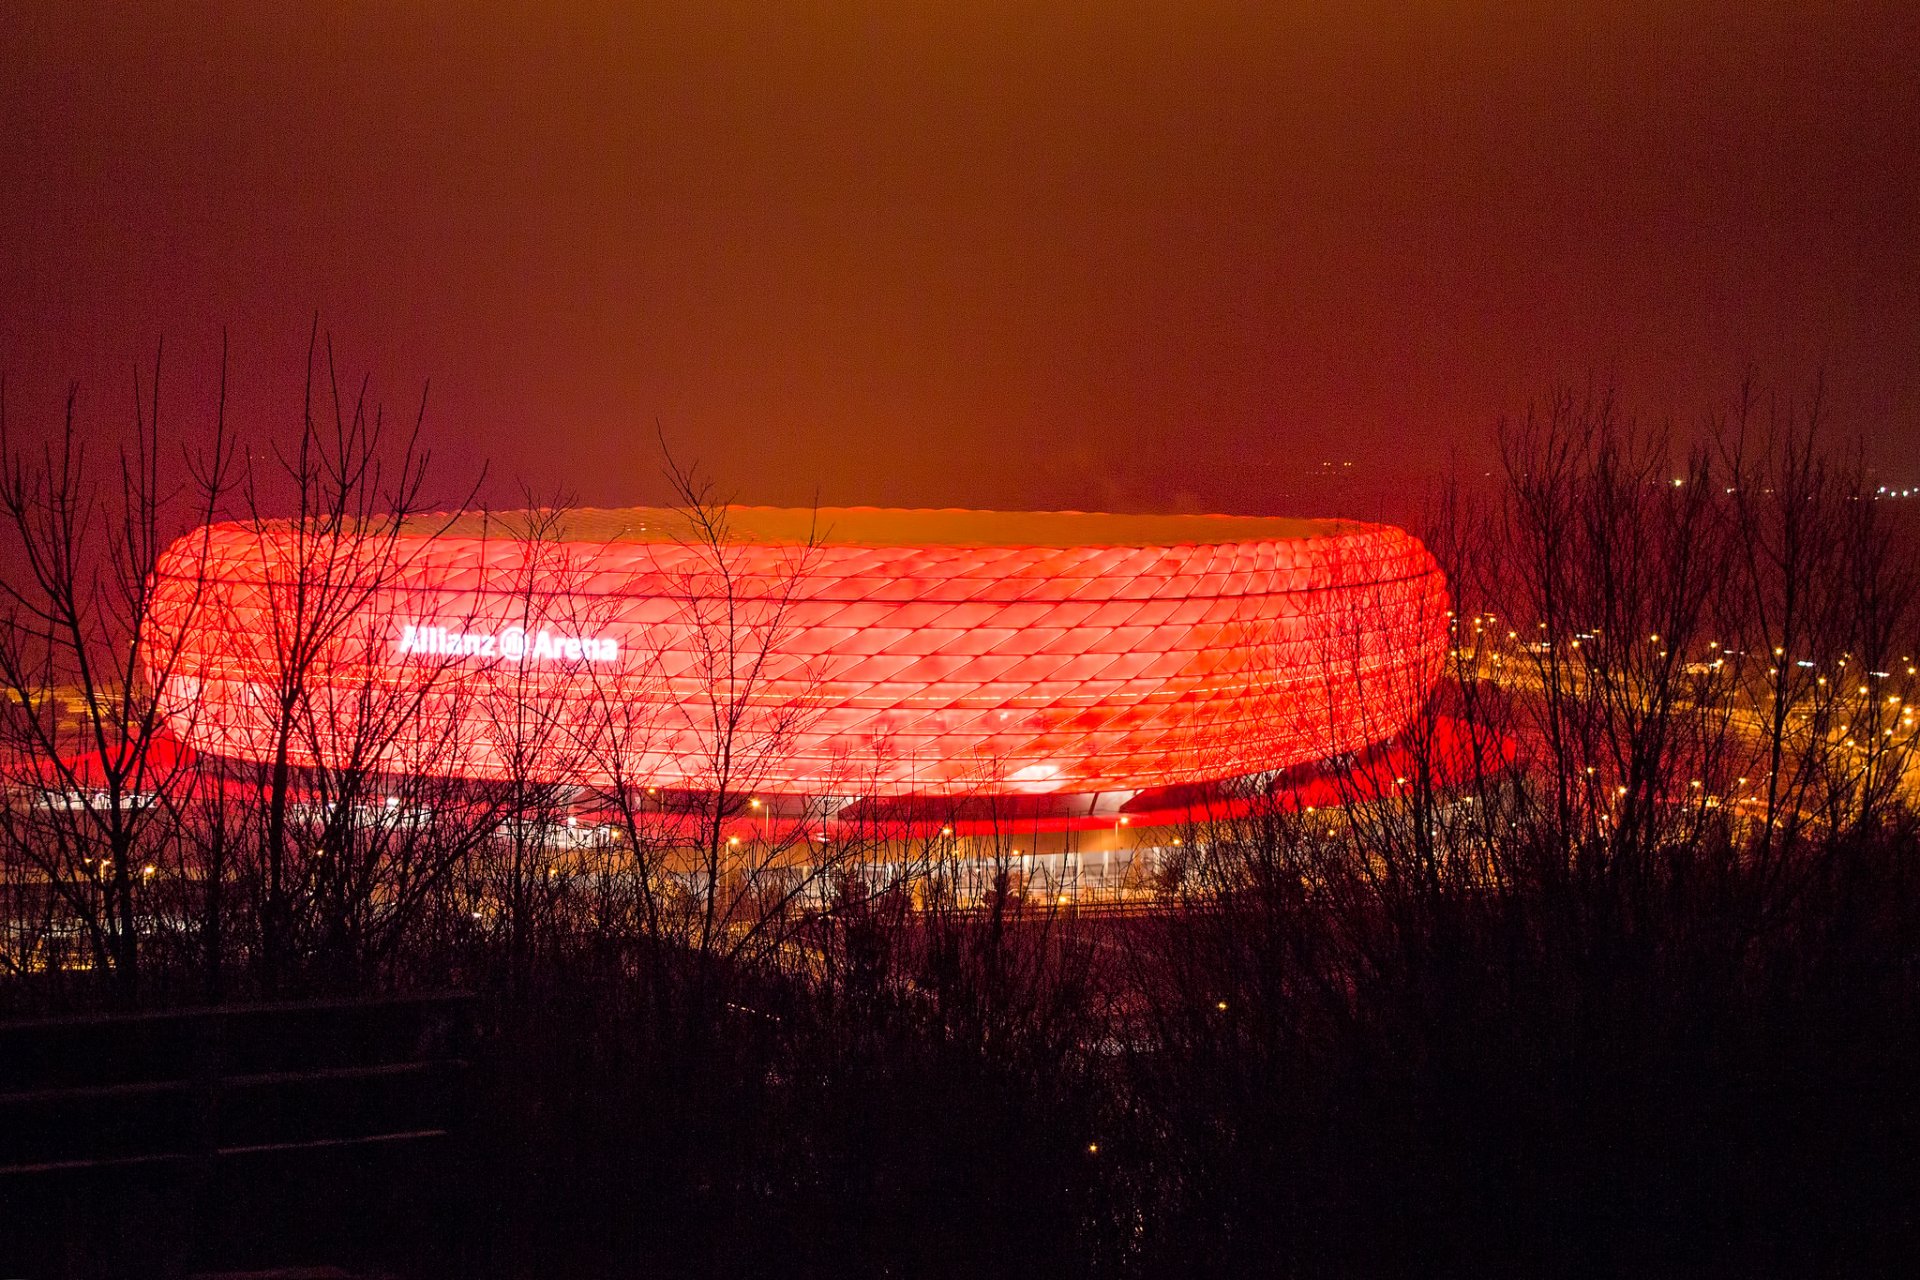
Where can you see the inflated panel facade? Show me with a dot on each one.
(838, 668)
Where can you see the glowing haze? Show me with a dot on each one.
(1132, 256)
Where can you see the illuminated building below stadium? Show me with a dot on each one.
(853, 651)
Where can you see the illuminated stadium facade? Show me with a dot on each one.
(852, 652)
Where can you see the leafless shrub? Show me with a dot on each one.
(87, 820)
(1615, 924)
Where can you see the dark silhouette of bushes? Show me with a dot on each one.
(1622, 975)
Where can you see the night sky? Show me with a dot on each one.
(1138, 257)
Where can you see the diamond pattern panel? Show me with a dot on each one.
(841, 668)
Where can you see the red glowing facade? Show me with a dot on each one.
(847, 652)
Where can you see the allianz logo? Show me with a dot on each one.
(513, 644)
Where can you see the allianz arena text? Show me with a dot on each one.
(851, 651)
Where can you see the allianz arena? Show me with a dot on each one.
(848, 651)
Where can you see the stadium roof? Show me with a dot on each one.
(895, 527)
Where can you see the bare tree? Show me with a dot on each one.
(328, 532)
(687, 738)
(88, 760)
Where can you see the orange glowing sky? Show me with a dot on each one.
(1133, 256)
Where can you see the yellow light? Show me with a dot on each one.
(1221, 1006)
(733, 840)
(755, 802)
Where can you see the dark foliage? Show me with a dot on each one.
(1636, 990)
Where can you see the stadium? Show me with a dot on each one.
(1082, 661)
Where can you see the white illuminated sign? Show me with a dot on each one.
(513, 644)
